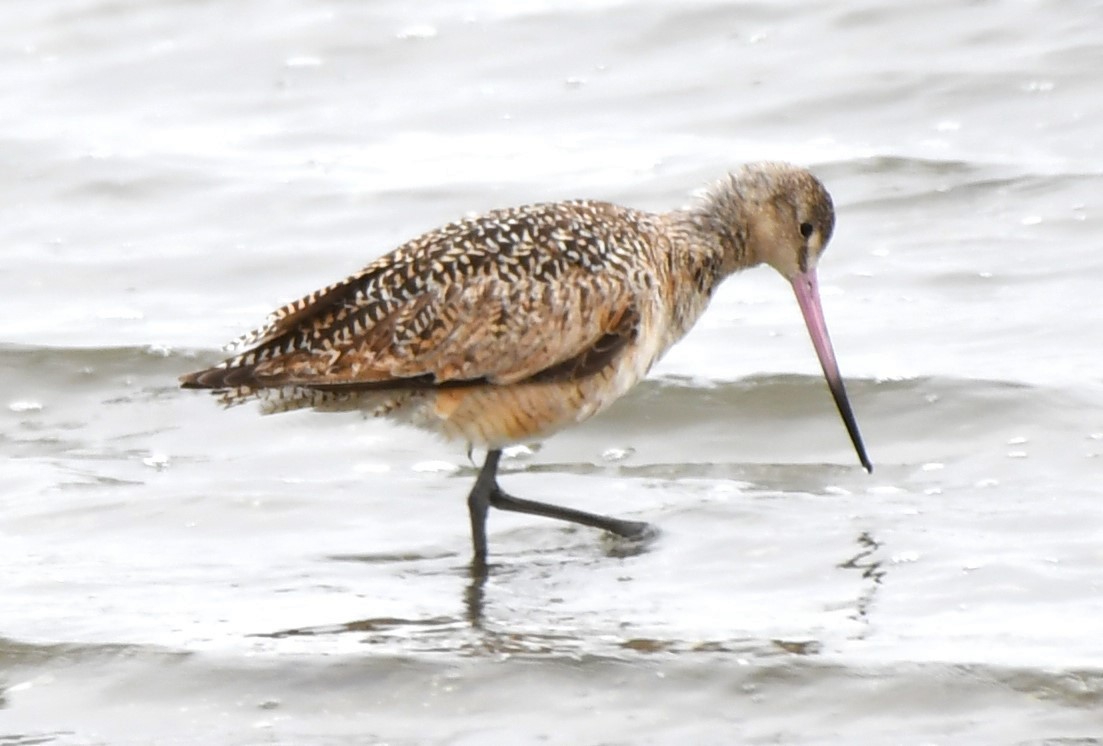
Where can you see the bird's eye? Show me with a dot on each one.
(806, 229)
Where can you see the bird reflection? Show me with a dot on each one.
(473, 599)
(474, 592)
(474, 596)
(871, 569)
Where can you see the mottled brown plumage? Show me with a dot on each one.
(511, 325)
(570, 300)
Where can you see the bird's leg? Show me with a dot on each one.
(627, 529)
(478, 502)
(487, 493)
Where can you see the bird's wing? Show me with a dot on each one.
(538, 292)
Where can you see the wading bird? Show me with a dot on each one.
(509, 326)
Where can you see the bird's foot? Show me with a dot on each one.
(630, 538)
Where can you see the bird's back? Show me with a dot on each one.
(491, 329)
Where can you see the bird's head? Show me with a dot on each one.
(781, 215)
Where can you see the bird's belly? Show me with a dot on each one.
(495, 416)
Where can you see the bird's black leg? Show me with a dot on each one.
(627, 529)
(478, 502)
(486, 493)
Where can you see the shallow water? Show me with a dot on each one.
(176, 573)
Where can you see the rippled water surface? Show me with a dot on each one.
(176, 573)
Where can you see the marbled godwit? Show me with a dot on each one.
(509, 326)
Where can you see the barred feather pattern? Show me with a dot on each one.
(511, 324)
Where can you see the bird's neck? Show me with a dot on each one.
(725, 222)
(718, 243)
(701, 257)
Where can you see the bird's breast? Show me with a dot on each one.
(497, 415)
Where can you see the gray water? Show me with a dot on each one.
(174, 573)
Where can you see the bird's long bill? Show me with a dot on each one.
(808, 296)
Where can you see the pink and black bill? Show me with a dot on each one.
(808, 296)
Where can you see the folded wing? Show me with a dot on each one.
(532, 293)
